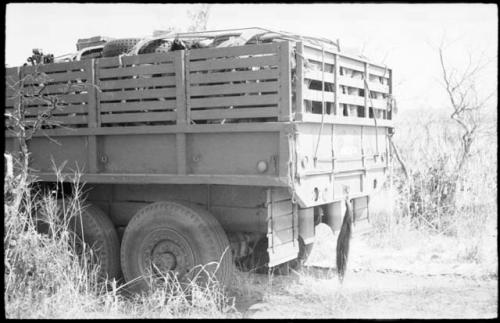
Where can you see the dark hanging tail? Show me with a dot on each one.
(343, 241)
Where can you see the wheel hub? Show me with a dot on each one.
(166, 251)
(165, 256)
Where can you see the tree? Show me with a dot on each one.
(199, 18)
(467, 105)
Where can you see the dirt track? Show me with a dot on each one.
(380, 283)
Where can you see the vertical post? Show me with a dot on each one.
(336, 84)
(17, 105)
(284, 106)
(180, 108)
(367, 112)
(390, 83)
(92, 116)
(299, 81)
(180, 81)
(187, 86)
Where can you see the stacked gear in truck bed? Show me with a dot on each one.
(101, 46)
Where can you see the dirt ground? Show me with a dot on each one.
(419, 279)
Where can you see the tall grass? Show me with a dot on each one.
(436, 199)
(50, 274)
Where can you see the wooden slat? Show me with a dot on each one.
(227, 63)
(138, 83)
(136, 70)
(9, 102)
(316, 55)
(55, 67)
(350, 63)
(352, 82)
(136, 106)
(233, 51)
(138, 94)
(378, 103)
(283, 236)
(138, 117)
(63, 77)
(223, 77)
(70, 120)
(136, 60)
(180, 77)
(285, 83)
(63, 88)
(281, 208)
(351, 99)
(235, 101)
(233, 88)
(317, 75)
(315, 95)
(283, 222)
(65, 110)
(374, 86)
(234, 113)
(68, 98)
(300, 75)
(379, 71)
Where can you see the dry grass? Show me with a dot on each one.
(46, 277)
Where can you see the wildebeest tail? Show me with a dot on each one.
(343, 241)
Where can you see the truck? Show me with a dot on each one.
(198, 156)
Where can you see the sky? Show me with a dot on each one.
(405, 37)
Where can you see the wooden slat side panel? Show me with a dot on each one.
(315, 95)
(224, 77)
(211, 90)
(138, 83)
(233, 51)
(138, 117)
(137, 70)
(138, 94)
(55, 67)
(234, 113)
(139, 106)
(111, 62)
(79, 76)
(61, 111)
(229, 63)
(316, 55)
(249, 100)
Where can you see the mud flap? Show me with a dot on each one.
(282, 227)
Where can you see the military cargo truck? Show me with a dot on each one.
(198, 155)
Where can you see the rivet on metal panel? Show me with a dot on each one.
(104, 159)
(196, 158)
(262, 166)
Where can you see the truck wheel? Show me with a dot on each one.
(173, 237)
(119, 46)
(94, 228)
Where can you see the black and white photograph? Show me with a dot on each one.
(250, 160)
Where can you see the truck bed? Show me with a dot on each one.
(210, 116)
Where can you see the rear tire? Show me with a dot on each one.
(173, 237)
(93, 227)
